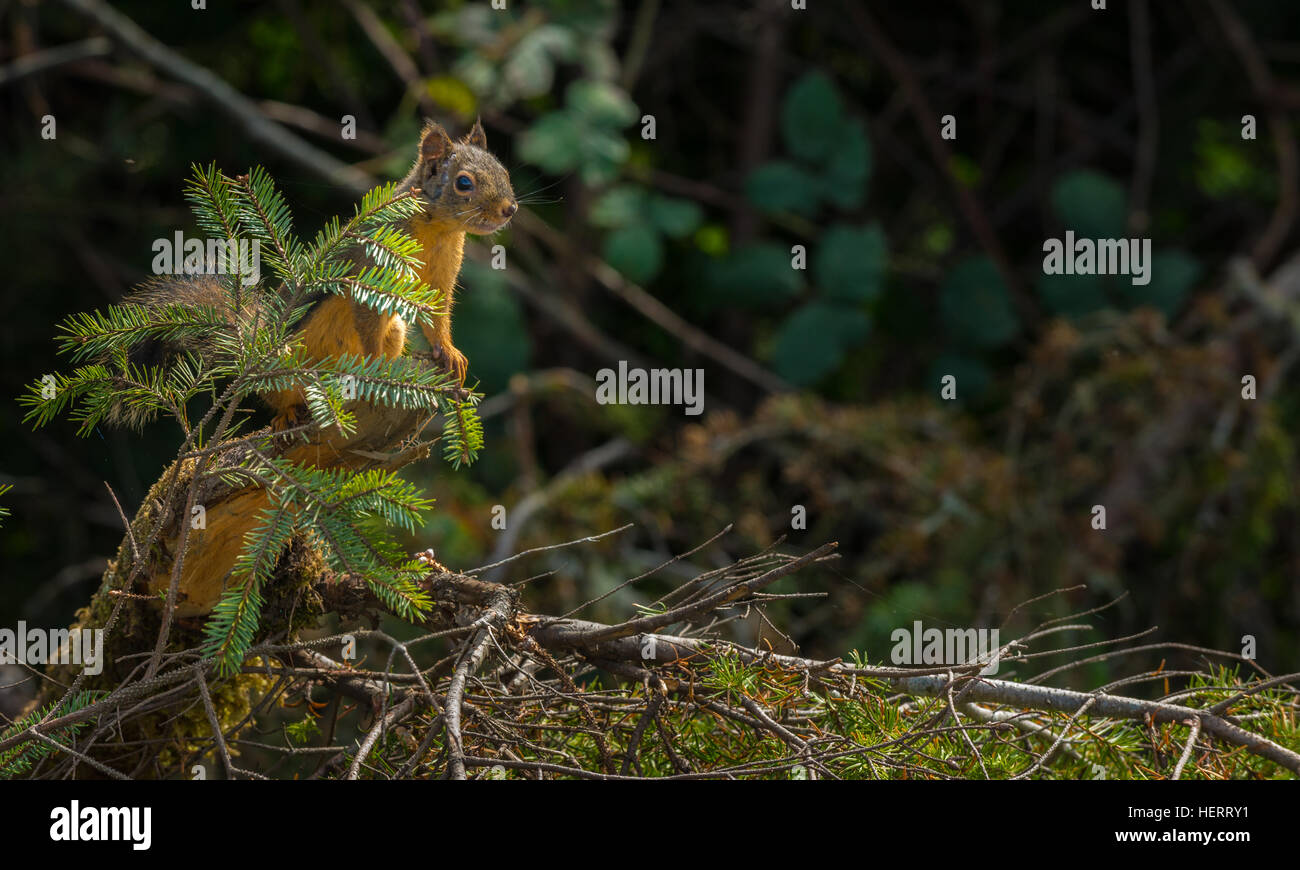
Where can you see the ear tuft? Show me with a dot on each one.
(476, 136)
(434, 142)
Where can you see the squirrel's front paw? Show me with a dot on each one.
(288, 418)
(452, 360)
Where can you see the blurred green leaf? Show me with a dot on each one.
(1093, 205)
(675, 218)
(636, 251)
(812, 117)
(1173, 274)
(558, 144)
(602, 156)
(1224, 164)
(1072, 295)
(712, 239)
(619, 206)
(585, 136)
(601, 104)
(781, 186)
(937, 239)
(850, 263)
(965, 170)
(452, 94)
(845, 180)
(757, 276)
(529, 69)
(478, 73)
(596, 55)
(974, 377)
(975, 305)
(554, 143)
(812, 342)
(279, 53)
(470, 24)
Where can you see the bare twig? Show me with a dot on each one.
(125, 31)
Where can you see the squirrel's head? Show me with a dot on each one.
(461, 183)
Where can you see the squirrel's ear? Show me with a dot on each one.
(476, 136)
(434, 142)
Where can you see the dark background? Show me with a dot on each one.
(774, 128)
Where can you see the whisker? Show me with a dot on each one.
(546, 187)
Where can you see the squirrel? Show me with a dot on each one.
(461, 187)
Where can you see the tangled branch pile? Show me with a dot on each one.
(487, 689)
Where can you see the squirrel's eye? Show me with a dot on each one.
(464, 183)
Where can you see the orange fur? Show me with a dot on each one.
(331, 331)
(444, 249)
(211, 553)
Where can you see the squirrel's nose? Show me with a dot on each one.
(508, 211)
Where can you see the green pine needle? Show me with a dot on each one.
(247, 344)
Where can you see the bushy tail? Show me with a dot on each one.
(186, 315)
(199, 293)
